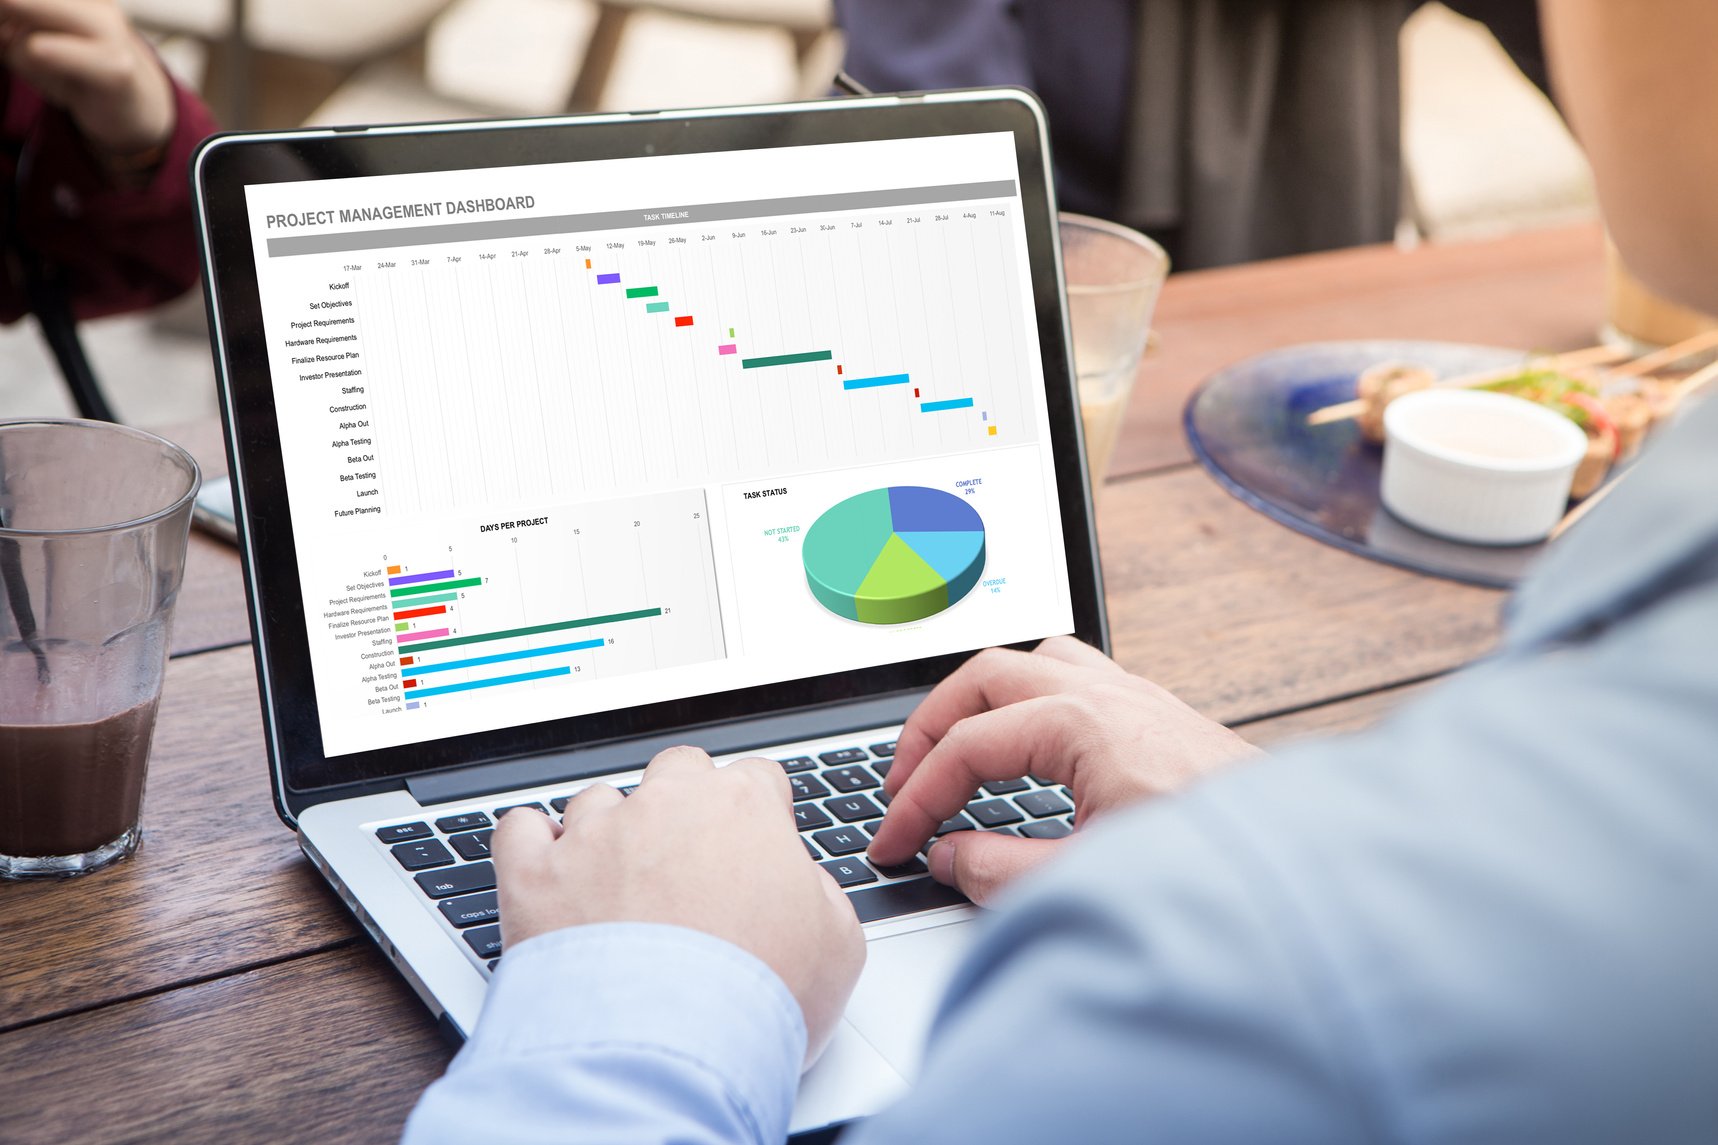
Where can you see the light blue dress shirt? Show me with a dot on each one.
(1492, 919)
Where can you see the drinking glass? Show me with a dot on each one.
(1114, 276)
(93, 523)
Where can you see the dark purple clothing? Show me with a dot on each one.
(117, 248)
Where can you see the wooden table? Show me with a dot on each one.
(212, 989)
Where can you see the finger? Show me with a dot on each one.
(596, 798)
(71, 59)
(1078, 653)
(83, 17)
(521, 838)
(1039, 736)
(994, 678)
(765, 772)
(676, 761)
(981, 864)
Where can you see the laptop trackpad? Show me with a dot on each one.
(904, 981)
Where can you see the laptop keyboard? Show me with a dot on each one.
(838, 805)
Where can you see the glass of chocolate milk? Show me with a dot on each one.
(93, 521)
(1114, 275)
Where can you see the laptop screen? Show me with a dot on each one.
(569, 438)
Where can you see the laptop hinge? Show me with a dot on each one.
(626, 755)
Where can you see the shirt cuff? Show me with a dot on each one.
(649, 986)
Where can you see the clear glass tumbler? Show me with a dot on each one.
(1114, 276)
(93, 524)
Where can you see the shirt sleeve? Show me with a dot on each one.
(620, 1033)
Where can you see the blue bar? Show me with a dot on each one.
(411, 706)
(869, 383)
(607, 279)
(952, 403)
(502, 657)
(521, 678)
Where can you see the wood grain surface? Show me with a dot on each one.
(1543, 290)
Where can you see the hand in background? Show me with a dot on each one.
(698, 846)
(84, 56)
(1064, 712)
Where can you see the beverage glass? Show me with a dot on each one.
(93, 522)
(1114, 276)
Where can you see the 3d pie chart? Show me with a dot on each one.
(892, 556)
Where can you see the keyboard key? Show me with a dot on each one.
(473, 845)
(891, 900)
(1006, 786)
(883, 750)
(400, 832)
(883, 797)
(469, 910)
(798, 764)
(470, 821)
(1043, 804)
(812, 851)
(1046, 829)
(809, 817)
(850, 872)
(485, 940)
(493, 963)
(842, 840)
(853, 808)
(629, 789)
(500, 811)
(847, 780)
(881, 767)
(1041, 781)
(844, 755)
(417, 856)
(559, 802)
(871, 827)
(958, 823)
(458, 880)
(993, 813)
(806, 787)
(905, 870)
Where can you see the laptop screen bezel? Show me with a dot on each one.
(227, 164)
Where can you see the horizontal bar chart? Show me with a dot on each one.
(787, 359)
(414, 613)
(951, 403)
(641, 292)
(419, 578)
(539, 629)
(416, 589)
(656, 308)
(504, 657)
(432, 634)
(607, 279)
(494, 682)
(873, 383)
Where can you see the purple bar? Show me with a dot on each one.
(606, 279)
(411, 706)
(419, 578)
(430, 635)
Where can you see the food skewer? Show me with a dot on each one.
(1668, 356)
(1573, 360)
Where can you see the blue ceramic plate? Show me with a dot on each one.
(1247, 425)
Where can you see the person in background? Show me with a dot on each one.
(1228, 130)
(1490, 919)
(95, 140)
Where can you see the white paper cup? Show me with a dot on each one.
(1479, 467)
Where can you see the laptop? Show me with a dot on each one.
(555, 443)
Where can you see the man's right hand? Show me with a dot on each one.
(1064, 712)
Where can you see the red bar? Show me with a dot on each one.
(838, 369)
(409, 684)
(406, 661)
(411, 612)
(683, 320)
(915, 391)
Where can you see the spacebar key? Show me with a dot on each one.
(894, 899)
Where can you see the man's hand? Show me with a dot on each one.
(709, 848)
(1065, 712)
(85, 56)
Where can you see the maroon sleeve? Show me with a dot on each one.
(117, 247)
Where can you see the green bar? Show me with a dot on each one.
(429, 600)
(402, 626)
(730, 331)
(641, 292)
(414, 589)
(536, 629)
(787, 359)
(655, 307)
